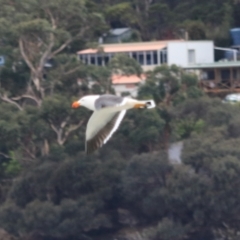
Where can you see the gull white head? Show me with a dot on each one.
(87, 101)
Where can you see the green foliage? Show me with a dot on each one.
(55, 109)
(161, 17)
(70, 218)
(189, 80)
(102, 77)
(9, 127)
(153, 126)
(167, 230)
(166, 84)
(37, 25)
(122, 12)
(184, 128)
(209, 110)
(49, 189)
(10, 217)
(13, 166)
(124, 64)
(196, 29)
(144, 184)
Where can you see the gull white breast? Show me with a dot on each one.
(108, 112)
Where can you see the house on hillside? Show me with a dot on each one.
(223, 76)
(218, 77)
(193, 56)
(152, 54)
(149, 55)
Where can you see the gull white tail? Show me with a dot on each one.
(108, 112)
(150, 104)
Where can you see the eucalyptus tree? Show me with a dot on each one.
(38, 32)
(38, 41)
(169, 86)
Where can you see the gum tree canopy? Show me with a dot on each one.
(33, 33)
(37, 39)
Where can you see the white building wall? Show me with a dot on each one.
(178, 52)
(149, 67)
(121, 88)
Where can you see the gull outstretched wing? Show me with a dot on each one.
(100, 127)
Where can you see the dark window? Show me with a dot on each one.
(234, 73)
(225, 75)
(166, 56)
(93, 60)
(141, 58)
(155, 59)
(134, 55)
(99, 61)
(106, 59)
(163, 55)
(149, 58)
(210, 75)
(84, 58)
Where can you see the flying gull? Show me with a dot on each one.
(108, 112)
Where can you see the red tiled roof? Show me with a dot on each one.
(127, 47)
(125, 79)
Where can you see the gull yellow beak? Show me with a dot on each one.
(76, 105)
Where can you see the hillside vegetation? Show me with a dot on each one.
(49, 188)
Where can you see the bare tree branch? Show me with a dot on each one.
(46, 54)
(53, 127)
(71, 129)
(45, 148)
(4, 155)
(64, 123)
(25, 56)
(61, 48)
(72, 70)
(5, 98)
(64, 45)
(32, 156)
(59, 132)
(28, 96)
(53, 21)
(35, 73)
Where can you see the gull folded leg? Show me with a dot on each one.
(145, 104)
